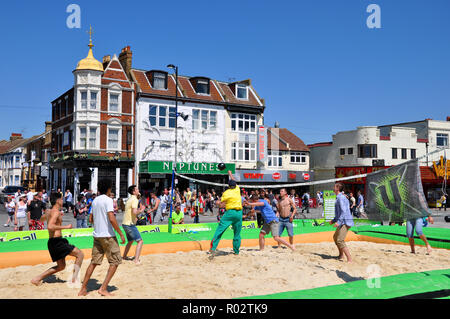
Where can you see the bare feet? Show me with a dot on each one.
(105, 293)
(36, 282)
(429, 250)
(137, 262)
(83, 292)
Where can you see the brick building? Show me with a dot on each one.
(92, 127)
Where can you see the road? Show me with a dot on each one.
(315, 213)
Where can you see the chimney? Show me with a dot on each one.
(106, 60)
(125, 59)
(15, 136)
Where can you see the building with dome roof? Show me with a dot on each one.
(92, 126)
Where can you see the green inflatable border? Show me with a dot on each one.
(429, 284)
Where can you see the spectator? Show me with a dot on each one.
(30, 197)
(443, 202)
(10, 206)
(178, 215)
(20, 213)
(80, 212)
(353, 205)
(155, 208)
(68, 201)
(305, 199)
(116, 207)
(36, 208)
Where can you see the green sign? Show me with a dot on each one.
(81, 232)
(329, 199)
(184, 167)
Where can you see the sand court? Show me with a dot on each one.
(184, 275)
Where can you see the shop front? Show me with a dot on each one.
(157, 175)
(275, 177)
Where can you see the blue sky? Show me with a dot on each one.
(318, 66)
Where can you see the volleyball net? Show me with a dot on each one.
(394, 193)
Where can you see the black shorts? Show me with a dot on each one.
(59, 248)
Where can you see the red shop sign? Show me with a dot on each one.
(276, 176)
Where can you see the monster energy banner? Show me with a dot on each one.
(396, 193)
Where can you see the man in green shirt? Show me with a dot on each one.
(232, 201)
(177, 215)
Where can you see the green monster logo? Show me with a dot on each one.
(391, 194)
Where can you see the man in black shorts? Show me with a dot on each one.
(58, 246)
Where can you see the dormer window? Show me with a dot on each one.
(159, 81)
(242, 91)
(202, 87)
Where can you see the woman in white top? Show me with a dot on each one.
(20, 214)
(10, 206)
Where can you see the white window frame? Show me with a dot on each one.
(66, 138)
(166, 117)
(238, 150)
(96, 99)
(85, 137)
(200, 120)
(119, 137)
(238, 117)
(81, 99)
(442, 135)
(242, 86)
(274, 158)
(299, 157)
(203, 82)
(165, 80)
(89, 138)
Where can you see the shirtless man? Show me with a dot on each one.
(58, 247)
(286, 211)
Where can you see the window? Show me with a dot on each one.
(159, 81)
(350, 151)
(441, 139)
(67, 106)
(212, 120)
(17, 164)
(114, 102)
(243, 122)
(92, 137)
(403, 153)
(195, 119)
(202, 87)
(367, 151)
(16, 180)
(413, 153)
(113, 139)
(93, 102)
(298, 157)
(66, 139)
(243, 151)
(274, 158)
(82, 137)
(394, 153)
(204, 120)
(162, 116)
(242, 91)
(84, 100)
(208, 120)
(342, 151)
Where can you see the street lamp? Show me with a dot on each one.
(171, 66)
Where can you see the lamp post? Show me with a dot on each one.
(171, 66)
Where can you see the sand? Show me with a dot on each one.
(192, 275)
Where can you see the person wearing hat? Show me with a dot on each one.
(10, 206)
(35, 210)
(232, 201)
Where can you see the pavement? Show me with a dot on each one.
(315, 213)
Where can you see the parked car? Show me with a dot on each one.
(9, 191)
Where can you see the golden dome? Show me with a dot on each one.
(89, 62)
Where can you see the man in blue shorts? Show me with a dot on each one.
(271, 223)
(286, 210)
